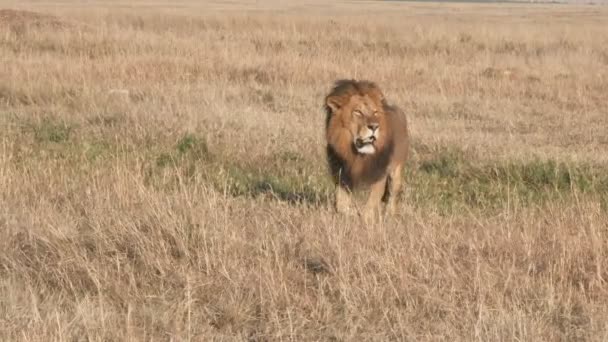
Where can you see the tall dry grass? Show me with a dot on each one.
(162, 173)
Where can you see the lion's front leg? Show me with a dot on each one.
(373, 201)
(342, 199)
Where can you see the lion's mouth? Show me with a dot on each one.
(366, 141)
(365, 145)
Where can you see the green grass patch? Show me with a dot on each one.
(51, 131)
(248, 180)
(60, 140)
(188, 149)
(445, 180)
(95, 150)
(286, 176)
(450, 181)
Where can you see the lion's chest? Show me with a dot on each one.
(353, 170)
(366, 170)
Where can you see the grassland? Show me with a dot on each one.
(162, 174)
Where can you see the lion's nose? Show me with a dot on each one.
(373, 126)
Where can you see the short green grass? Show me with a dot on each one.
(444, 178)
(450, 180)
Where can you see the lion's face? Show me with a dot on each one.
(366, 124)
(363, 117)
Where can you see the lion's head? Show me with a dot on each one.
(358, 107)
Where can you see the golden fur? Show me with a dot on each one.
(367, 144)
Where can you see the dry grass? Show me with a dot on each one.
(162, 173)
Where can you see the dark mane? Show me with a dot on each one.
(375, 165)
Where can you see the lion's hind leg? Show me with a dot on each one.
(393, 190)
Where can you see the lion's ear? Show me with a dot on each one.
(333, 103)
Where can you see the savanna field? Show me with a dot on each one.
(163, 176)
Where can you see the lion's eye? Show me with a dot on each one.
(376, 113)
(357, 113)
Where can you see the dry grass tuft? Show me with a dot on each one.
(162, 174)
(19, 20)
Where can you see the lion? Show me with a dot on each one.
(367, 145)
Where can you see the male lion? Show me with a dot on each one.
(367, 144)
